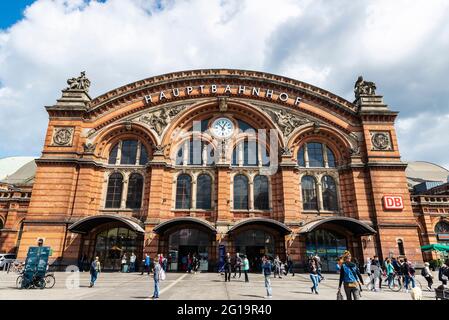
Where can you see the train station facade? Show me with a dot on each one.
(213, 161)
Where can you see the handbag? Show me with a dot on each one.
(339, 295)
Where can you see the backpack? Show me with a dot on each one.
(423, 272)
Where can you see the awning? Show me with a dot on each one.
(84, 225)
(162, 227)
(435, 247)
(355, 226)
(262, 221)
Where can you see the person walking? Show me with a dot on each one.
(338, 264)
(290, 265)
(227, 267)
(377, 274)
(189, 263)
(389, 269)
(95, 269)
(164, 263)
(409, 274)
(427, 274)
(351, 278)
(132, 263)
(156, 278)
(318, 266)
(238, 266)
(266, 269)
(245, 267)
(195, 262)
(146, 264)
(368, 267)
(443, 273)
(277, 267)
(313, 270)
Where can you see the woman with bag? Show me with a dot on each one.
(95, 269)
(443, 272)
(314, 276)
(425, 272)
(351, 278)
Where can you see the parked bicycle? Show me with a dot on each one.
(35, 282)
(396, 285)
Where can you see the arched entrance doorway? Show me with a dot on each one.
(255, 243)
(328, 244)
(331, 237)
(181, 238)
(109, 237)
(256, 237)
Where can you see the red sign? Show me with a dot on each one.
(443, 236)
(393, 202)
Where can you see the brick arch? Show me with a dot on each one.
(337, 142)
(108, 139)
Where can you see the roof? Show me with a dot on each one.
(420, 171)
(24, 175)
(10, 165)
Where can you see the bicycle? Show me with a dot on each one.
(49, 280)
(35, 282)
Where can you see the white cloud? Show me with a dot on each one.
(399, 44)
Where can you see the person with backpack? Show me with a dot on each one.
(425, 272)
(266, 270)
(238, 265)
(409, 274)
(318, 266)
(313, 270)
(351, 278)
(95, 269)
(156, 277)
(246, 267)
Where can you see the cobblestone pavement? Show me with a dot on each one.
(182, 286)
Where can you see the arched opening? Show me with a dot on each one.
(328, 244)
(401, 247)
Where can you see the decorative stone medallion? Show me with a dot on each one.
(63, 136)
(381, 141)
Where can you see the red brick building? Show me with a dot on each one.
(196, 161)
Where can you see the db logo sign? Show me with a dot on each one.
(393, 202)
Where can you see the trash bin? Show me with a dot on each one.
(125, 268)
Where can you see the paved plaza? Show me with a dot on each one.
(182, 286)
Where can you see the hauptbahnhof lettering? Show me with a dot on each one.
(115, 175)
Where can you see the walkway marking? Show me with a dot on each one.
(171, 285)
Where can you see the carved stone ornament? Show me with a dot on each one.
(363, 87)
(223, 104)
(381, 141)
(63, 136)
(80, 83)
(286, 121)
(89, 147)
(286, 151)
(158, 120)
(159, 149)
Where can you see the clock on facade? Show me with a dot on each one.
(222, 128)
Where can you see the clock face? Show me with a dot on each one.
(222, 128)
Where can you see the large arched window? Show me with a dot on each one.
(241, 192)
(195, 152)
(442, 232)
(316, 155)
(203, 191)
(330, 202)
(135, 189)
(309, 194)
(183, 192)
(114, 191)
(250, 153)
(261, 193)
(128, 152)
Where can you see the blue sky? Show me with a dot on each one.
(401, 45)
(11, 11)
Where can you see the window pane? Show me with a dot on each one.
(309, 196)
(135, 186)
(113, 155)
(315, 152)
(180, 155)
(330, 158)
(261, 193)
(183, 192)
(329, 194)
(203, 192)
(129, 152)
(143, 155)
(301, 160)
(114, 192)
(240, 192)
